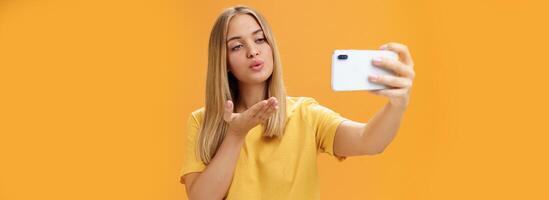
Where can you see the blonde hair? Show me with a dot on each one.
(222, 86)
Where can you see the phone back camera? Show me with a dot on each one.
(342, 57)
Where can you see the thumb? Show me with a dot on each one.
(227, 116)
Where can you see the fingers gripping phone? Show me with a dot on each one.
(351, 68)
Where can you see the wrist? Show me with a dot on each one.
(397, 107)
(235, 134)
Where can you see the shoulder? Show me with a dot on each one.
(308, 106)
(197, 116)
(294, 103)
(301, 101)
(301, 104)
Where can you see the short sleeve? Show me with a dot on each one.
(191, 163)
(325, 123)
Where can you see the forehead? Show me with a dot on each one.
(242, 24)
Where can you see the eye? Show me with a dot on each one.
(237, 47)
(260, 40)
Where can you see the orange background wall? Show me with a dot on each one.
(94, 94)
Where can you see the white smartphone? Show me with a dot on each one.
(351, 68)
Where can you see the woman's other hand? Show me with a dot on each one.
(241, 123)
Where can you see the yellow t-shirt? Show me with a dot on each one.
(283, 168)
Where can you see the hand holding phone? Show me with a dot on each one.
(351, 68)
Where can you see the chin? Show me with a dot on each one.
(258, 78)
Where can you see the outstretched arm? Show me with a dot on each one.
(356, 138)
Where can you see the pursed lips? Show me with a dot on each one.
(256, 63)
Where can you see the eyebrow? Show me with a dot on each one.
(238, 37)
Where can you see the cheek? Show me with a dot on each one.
(236, 61)
(268, 54)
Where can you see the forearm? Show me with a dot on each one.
(214, 181)
(382, 128)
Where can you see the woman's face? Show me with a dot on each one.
(249, 54)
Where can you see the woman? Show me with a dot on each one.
(251, 141)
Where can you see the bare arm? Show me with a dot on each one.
(355, 138)
(214, 181)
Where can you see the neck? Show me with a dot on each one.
(250, 95)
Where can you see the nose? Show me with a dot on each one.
(252, 51)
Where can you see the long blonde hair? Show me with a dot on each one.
(222, 86)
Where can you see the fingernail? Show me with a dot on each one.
(376, 60)
(383, 47)
(374, 77)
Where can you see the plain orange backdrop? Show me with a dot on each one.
(94, 94)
